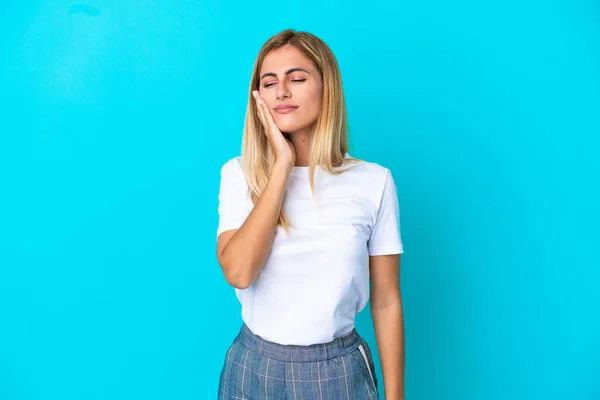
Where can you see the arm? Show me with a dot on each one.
(388, 321)
(243, 252)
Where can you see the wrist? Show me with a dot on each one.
(282, 167)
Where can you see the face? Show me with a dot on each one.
(291, 86)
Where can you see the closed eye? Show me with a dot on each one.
(293, 80)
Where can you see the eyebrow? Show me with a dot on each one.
(289, 71)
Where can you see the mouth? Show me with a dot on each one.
(285, 109)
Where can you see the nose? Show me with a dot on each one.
(283, 91)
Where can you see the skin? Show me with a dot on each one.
(388, 321)
(289, 77)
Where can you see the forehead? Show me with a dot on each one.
(284, 58)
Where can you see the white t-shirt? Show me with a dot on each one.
(316, 279)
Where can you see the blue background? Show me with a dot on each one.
(116, 116)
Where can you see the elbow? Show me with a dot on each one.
(238, 268)
(238, 283)
(237, 278)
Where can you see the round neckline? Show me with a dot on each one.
(301, 171)
(300, 168)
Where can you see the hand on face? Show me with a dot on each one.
(282, 148)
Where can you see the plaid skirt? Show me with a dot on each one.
(256, 369)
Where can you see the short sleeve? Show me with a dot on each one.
(385, 235)
(233, 197)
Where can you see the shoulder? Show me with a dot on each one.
(233, 164)
(232, 171)
(372, 178)
(368, 169)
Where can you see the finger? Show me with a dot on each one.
(259, 111)
(267, 119)
(267, 115)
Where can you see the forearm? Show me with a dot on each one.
(389, 331)
(248, 249)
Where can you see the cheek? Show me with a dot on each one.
(312, 102)
(315, 107)
(270, 96)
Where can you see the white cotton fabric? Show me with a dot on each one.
(316, 279)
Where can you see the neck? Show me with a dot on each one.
(301, 140)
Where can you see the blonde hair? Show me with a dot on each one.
(329, 143)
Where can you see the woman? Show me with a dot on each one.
(303, 230)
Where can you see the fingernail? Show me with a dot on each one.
(254, 93)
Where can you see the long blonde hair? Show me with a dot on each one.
(329, 143)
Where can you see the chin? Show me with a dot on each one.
(289, 127)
